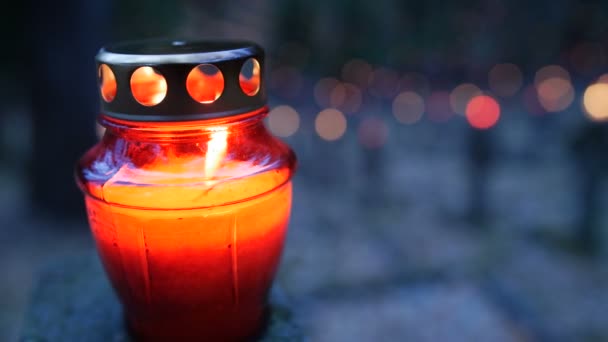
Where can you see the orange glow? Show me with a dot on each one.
(107, 81)
(283, 121)
(205, 83)
(555, 94)
(189, 220)
(595, 101)
(148, 86)
(408, 107)
(483, 112)
(330, 124)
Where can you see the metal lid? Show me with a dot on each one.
(180, 80)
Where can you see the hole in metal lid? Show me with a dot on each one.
(249, 78)
(205, 83)
(107, 83)
(148, 86)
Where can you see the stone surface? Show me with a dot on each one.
(72, 301)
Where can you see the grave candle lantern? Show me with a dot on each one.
(188, 195)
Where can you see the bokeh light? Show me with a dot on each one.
(595, 101)
(330, 124)
(438, 107)
(461, 95)
(555, 94)
(505, 79)
(550, 71)
(283, 121)
(357, 71)
(323, 91)
(416, 82)
(372, 132)
(384, 82)
(408, 107)
(483, 112)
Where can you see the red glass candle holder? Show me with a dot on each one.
(188, 195)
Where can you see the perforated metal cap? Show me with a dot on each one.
(180, 80)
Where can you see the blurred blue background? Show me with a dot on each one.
(452, 156)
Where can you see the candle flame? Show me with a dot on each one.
(216, 151)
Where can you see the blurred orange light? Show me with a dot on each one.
(408, 107)
(595, 101)
(461, 95)
(555, 94)
(330, 124)
(482, 112)
(283, 121)
(505, 79)
(372, 132)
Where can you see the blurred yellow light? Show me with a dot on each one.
(283, 121)
(555, 94)
(408, 107)
(330, 124)
(505, 79)
(595, 101)
(461, 95)
(323, 90)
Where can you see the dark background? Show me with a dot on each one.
(404, 227)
